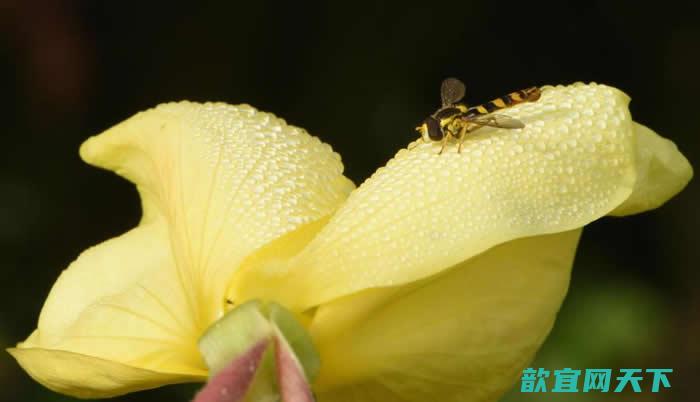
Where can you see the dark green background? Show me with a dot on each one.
(360, 76)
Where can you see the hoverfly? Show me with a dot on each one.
(455, 119)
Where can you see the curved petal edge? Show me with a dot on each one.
(662, 172)
(90, 377)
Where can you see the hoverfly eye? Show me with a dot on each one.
(434, 130)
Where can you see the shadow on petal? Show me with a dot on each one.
(463, 335)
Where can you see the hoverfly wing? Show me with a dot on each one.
(451, 91)
(497, 120)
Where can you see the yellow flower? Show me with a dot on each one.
(437, 279)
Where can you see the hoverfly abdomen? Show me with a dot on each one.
(526, 95)
(514, 98)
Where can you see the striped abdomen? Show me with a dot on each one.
(526, 95)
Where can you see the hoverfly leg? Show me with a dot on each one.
(444, 144)
(462, 135)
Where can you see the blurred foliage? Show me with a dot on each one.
(359, 77)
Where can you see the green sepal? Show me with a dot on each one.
(245, 325)
(233, 334)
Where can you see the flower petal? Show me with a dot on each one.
(120, 307)
(571, 164)
(462, 335)
(216, 183)
(662, 172)
(70, 373)
(227, 179)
